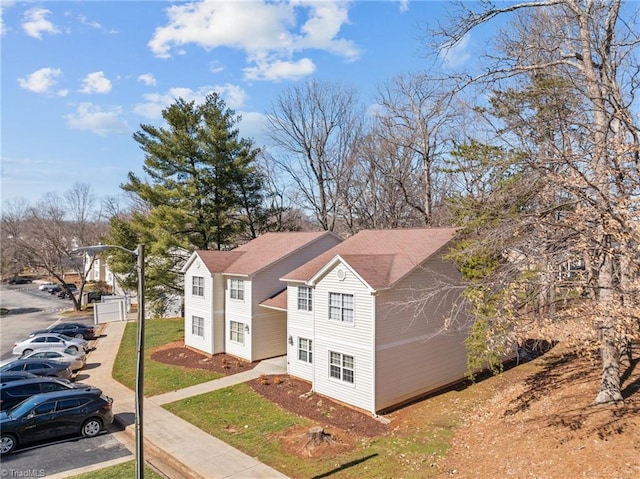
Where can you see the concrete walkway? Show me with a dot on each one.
(172, 445)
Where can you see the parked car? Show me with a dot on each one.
(55, 414)
(76, 359)
(10, 376)
(44, 286)
(73, 330)
(49, 341)
(52, 288)
(13, 393)
(39, 367)
(19, 280)
(96, 296)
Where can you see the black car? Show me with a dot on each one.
(19, 280)
(10, 376)
(73, 330)
(15, 392)
(54, 414)
(39, 367)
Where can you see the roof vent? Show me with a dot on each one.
(340, 273)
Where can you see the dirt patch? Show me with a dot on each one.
(177, 354)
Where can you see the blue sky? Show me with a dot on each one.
(78, 78)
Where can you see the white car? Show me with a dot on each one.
(59, 342)
(77, 359)
(44, 286)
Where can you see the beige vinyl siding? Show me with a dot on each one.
(299, 325)
(345, 338)
(269, 334)
(413, 355)
(239, 311)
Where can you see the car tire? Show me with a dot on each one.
(74, 349)
(91, 427)
(79, 336)
(26, 352)
(8, 443)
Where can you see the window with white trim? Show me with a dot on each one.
(305, 352)
(197, 326)
(236, 332)
(305, 296)
(236, 289)
(197, 286)
(342, 367)
(341, 307)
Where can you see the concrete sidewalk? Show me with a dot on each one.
(174, 446)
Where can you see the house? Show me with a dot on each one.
(224, 289)
(370, 321)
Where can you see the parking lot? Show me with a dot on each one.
(30, 309)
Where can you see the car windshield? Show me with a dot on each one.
(65, 337)
(70, 351)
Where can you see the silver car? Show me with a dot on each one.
(77, 359)
(58, 342)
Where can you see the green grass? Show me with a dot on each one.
(158, 377)
(247, 421)
(122, 470)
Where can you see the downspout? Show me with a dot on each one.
(374, 351)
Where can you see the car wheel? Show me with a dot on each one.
(8, 443)
(27, 352)
(91, 427)
(74, 349)
(79, 336)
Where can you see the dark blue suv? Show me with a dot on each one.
(60, 413)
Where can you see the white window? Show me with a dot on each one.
(236, 289)
(305, 352)
(341, 307)
(236, 332)
(197, 286)
(342, 367)
(304, 298)
(197, 326)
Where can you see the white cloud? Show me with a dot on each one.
(96, 82)
(41, 81)
(280, 70)
(4, 4)
(216, 67)
(233, 95)
(404, 5)
(253, 125)
(35, 24)
(458, 54)
(268, 32)
(148, 79)
(101, 121)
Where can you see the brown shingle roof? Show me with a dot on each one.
(255, 255)
(278, 301)
(380, 257)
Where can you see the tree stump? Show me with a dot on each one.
(317, 435)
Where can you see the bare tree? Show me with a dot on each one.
(315, 126)
(43, 236)
(577, 169)
(414, 120)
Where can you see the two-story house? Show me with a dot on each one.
(373, 321)
(224, 289)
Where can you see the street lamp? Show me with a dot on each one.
(139, 253)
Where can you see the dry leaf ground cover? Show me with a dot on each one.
(533, 421)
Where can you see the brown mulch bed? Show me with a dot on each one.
(178, 354)
(294, 395)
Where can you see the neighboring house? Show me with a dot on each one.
(368, 320)
(224, 289)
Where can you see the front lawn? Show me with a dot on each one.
(158, 377)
